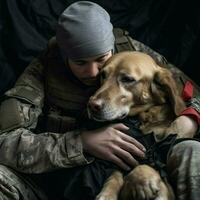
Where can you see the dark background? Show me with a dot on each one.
(171, 27)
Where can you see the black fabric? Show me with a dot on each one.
(171, 27)
(79, 183)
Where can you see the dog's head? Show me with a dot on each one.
(131, 82)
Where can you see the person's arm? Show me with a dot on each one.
(186, 125)
(27, 152)
(20, 148)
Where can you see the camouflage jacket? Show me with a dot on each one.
(39, 116)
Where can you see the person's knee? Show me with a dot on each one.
(187, 145)
(183, 169)
(184, 155)
(193, 144)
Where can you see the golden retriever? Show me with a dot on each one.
(133, 84)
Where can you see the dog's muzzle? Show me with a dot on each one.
(106, 113)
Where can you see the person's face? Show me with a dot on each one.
(87, 69)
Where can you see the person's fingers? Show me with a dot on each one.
(132, 140)
(131, 148)
(119, 162)
(125, 156)
(120, 127)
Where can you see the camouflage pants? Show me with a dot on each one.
(13, 186)
(184, 169)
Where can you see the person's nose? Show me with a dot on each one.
(93, 69)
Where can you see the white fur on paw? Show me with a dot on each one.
(106, 197)
(148, 189)
(161, 198)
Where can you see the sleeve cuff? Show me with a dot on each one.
(74, 149)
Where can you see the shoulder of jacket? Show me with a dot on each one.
(25, 94)
(123, 41)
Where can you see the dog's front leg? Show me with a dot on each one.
(143, 183)
(111, 187)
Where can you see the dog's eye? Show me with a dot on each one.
(127, 79)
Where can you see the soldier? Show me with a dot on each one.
(38, 117)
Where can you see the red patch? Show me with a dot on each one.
(188, 91)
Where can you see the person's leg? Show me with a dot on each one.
(183, 167)
(13, 186)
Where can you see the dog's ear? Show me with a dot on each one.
(165, 81)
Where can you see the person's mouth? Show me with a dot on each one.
(89, 81)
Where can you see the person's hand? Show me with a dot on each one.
(110, 143)
(183, 126)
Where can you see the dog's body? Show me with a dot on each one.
(134, 85)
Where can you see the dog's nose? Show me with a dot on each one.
(96, 105)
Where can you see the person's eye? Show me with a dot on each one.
(102, 59)
(80, 63)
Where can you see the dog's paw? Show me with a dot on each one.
(146, 188)
(144, 183)
(106, 196)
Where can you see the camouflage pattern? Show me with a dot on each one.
(38, 117)
(183, 167)
(195, 102)
(46, 151)
(14, 186)
(125, 43)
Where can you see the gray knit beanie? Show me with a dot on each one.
(84, 30)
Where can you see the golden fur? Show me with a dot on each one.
(133, 84)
